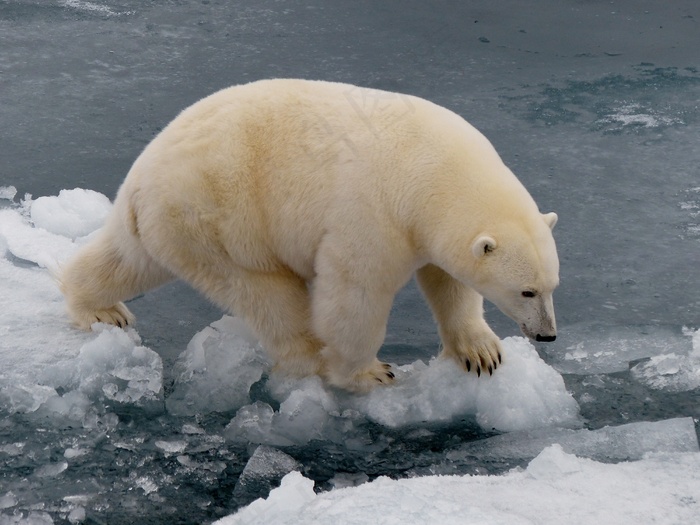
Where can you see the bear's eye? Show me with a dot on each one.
(528, 293)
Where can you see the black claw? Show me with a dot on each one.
(98, 319)
(490, 370)
(478, 371)
(469, 366)
(391, 375)
(379, 379)
(119, 324)
(499, 358)
(386, 365)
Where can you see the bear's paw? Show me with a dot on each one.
(117, 315)
(479, 352)
(362, 381)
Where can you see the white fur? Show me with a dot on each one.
(305, 206)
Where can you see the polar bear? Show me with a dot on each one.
(304, 206)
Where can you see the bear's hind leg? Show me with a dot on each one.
(459, 313)
(105, 272)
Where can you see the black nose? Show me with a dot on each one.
(545, 338)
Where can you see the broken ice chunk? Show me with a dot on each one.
(307, 411)
(24, 398)
(524, 393)
(586, 349)
(212, 466)
(553, 463)
(294, 493)
(77, 515)
(51, 470)
(171, 447)
(191, 429)
(8, 500)
(114, 366)
(12, 449)
(254, 424)
(342, 480)
(73, 213)
(218, 368)
(146, 484)
(621, 443)
(672, 372)
(264, 470)
(71, 453)
(8, 192)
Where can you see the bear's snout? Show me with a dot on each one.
(545, 338)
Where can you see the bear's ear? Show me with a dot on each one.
(483, 245)
(551, 219)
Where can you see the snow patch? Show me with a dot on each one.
(32, 245)
(73, 213)
(555, 488)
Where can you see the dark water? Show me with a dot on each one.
(594, 106)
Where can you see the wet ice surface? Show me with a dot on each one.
(92, 410)
(599, 120)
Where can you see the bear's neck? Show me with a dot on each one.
(458, 210)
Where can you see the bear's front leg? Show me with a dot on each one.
(357, 377)
(352, 296)
(351, 320)
(459, 311)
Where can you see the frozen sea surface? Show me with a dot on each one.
(555, 488)
(592, 104)
(225, 419)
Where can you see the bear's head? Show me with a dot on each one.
(517, 269)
